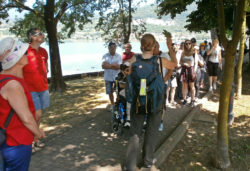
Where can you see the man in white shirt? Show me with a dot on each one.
(111, 64)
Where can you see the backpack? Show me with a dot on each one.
(147, 69)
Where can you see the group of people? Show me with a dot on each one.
(24, 90)
(155, 80)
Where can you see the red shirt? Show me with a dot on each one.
(126, 56)
(35, 72)
(16, 132)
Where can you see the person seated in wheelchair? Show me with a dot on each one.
(121, 98)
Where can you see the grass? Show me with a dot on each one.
(197, 149)
(81, 96)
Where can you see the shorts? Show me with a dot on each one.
(16, 157)
(41, 99)
(172, 82)
(212, 68)
(109, 86)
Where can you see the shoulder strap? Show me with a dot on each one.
(4, 79)
(161, 67)
(11, 111)
(138, 57)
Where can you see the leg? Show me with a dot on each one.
(210, 83)
(38, 117)
(172, 94)
(192, 89)
(17, 157)
(150, 138)
(109, 91)
(167, 94)
(184, 90)
(133, 145)
(111, 99)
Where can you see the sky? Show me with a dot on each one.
(13, 13)
(30, 2)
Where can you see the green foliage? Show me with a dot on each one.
(71, 14)
(203, 18)
(172, 7)
(115, 24)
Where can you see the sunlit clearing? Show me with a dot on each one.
(87, 159)
(104, 134)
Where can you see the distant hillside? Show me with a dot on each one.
(147, 14)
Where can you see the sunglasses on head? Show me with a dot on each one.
(38, 34)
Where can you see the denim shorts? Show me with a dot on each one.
(109, 86)
(41, 99)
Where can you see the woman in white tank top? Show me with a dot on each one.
(189, 62)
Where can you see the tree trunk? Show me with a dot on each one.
(248, 26)
(214, 34)
(129, 19)
(56, 83)
(222, 155)
(240, 61)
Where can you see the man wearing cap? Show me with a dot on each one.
(35, 72)
(111, 64)
(127, 54)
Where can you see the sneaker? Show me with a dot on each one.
(214, 86)
(173, 103)
(211, 89)
(160, 127)
(184, 102)
(127, 124)
(192, 103)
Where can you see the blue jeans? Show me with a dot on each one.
(41, 99)
(16, 158)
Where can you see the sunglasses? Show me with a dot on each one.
(187, 43)
(38, 34)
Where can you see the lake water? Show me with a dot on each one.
(82, 57)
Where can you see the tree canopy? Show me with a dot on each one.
(205, 14)
(117, 25)
(46, 15)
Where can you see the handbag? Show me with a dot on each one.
(3, 130)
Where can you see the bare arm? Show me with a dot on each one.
(220, 60)
(200, 62)
(196, 59)
(13, 92)
(113, 66)
(168, 64)
(131, 61)
(171, 52)
(168, 75)
(106, 65)
(210, 51)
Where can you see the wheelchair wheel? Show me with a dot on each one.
(115, 123)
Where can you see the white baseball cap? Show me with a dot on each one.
(11, 51)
